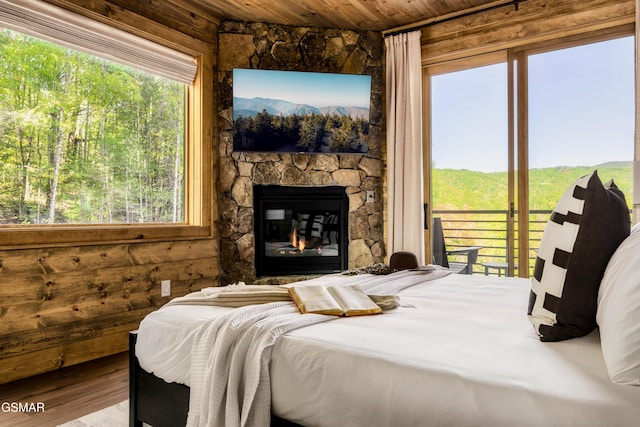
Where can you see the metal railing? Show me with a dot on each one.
(488, 229)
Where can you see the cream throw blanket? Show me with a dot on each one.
(236, 295)
(230, 384)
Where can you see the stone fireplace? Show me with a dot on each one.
(271, 46)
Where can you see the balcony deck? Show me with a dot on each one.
(488, 230)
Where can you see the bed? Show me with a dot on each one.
(458, 351)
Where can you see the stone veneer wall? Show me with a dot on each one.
(282, 47)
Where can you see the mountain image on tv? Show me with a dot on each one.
(300, 112)
(277, 107)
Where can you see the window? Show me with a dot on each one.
(469, 158)
(86, 140)
(581, 117)
(101, 150)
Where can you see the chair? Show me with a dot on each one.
(441, 254)
(403, 260)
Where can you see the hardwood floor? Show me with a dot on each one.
(67, 393)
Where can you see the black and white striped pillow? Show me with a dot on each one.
(331, 233)
(308, 229)
(584, 230)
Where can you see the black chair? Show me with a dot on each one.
(403, 260)
(441, 254)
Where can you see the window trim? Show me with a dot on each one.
(199, 125)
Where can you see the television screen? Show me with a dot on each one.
(300, 112)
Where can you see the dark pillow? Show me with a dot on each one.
(584, 230)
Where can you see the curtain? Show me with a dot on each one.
(48, 22)
(636, 157)
(404, 144)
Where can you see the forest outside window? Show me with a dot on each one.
(86, 140)
(101, 131)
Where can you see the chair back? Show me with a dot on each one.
(403, 260)
(438, 248)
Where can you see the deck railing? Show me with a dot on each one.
(488, 230)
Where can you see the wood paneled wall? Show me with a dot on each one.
(65, 304)
(61, 306)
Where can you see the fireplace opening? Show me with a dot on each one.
(300, 230)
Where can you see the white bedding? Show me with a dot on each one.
(459, 351)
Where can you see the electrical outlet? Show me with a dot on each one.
(370, 196)
(165, 288)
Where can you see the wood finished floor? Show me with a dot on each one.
(68, 393)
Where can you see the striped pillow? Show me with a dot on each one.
(331, 231)
(584, 230)
(307, 228)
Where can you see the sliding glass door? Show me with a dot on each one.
(581, 119)
(469, 162)
(507, 134)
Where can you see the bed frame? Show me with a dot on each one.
(158, 403)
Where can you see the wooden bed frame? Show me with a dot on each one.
(158, 403)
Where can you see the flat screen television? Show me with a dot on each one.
(300, 111)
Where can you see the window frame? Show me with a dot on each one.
(199, 125)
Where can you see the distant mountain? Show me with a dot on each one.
(355, 112)
(620, 164)
(250, 107)
(465, 189)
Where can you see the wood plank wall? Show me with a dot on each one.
(62, 304)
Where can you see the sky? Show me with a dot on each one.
(581, 110)
(317, 89)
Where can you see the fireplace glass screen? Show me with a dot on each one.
(300, 230)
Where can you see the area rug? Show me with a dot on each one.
(113, 416)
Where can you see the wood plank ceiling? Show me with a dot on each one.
(374, 15)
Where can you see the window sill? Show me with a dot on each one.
(20, 237)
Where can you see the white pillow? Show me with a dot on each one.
(618, 314)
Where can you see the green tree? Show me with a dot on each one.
(86, 140)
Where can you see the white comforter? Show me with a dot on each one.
(460, 351)
(231, 353)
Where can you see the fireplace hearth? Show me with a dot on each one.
(300, 230)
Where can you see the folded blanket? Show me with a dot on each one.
(240, 295)
(237, 295)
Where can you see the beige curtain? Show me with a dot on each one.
(636, 162)
(404, 144)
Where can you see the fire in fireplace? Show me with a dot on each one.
(300, 230)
